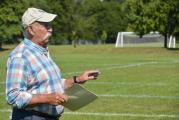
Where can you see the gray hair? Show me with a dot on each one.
(25, 32)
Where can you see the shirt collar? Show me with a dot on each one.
(32, 45)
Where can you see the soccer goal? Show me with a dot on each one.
(130, 39)
(172, 42)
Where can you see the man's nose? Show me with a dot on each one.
(49, 29)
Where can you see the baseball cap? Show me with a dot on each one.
(33, 14)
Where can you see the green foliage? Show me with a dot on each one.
(88, 19)
(108, 17)
(77, 19)
(8, 21)
(153, 15)
(10, 18)
(103, 36)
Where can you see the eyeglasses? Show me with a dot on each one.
(45, 24)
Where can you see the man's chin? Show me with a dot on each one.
(44, 43)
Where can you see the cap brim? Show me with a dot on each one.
(47, 17)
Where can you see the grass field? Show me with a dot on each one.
(135, 84)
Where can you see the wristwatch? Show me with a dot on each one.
(75, 81)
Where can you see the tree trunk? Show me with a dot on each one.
(74, 43)
(0, 46)
(165, 41)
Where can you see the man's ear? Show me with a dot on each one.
(31, 30)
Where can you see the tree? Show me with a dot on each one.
(108, 17)
(139, 22)
(153, 15)
(103, 36)
(70, 23)
(77, 19)
(10, 18)
(9, 22)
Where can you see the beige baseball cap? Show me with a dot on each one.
(33, 14)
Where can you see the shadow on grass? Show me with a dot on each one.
(172, 48)
(4, 49)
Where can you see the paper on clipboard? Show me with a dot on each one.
(78, 97)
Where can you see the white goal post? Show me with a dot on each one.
(153, 39)
(120, 38)
(172, 42)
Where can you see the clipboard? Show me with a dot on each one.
(78, 97)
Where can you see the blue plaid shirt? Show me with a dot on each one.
(30, 70)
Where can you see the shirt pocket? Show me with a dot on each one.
(37, 80)
(42, 76)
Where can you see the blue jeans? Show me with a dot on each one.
(21, 114)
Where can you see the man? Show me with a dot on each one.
(34, 86)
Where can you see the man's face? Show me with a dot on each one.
(41, 32)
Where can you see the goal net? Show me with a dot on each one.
(130, 39)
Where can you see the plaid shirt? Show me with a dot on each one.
(30, 70)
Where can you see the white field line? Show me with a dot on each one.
(125, 66)
(130, 65)
(139, 84)
(109, 65)
(116, 67)
(123, 115)
(130, 83)
(139, 96)
(107, 114)
(124, 83)
(119, 66)
(133, 96)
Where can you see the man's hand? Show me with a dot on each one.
(82, 78)
(52, 98)
(87, 75)
(56, 98)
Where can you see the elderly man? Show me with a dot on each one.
(34, 86)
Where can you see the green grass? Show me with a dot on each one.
(143, 81)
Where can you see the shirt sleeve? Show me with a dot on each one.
(63, 82)
(16, 83)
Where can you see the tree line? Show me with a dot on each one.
(97, 21)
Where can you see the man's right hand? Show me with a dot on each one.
(56, 98)
(52, 99)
